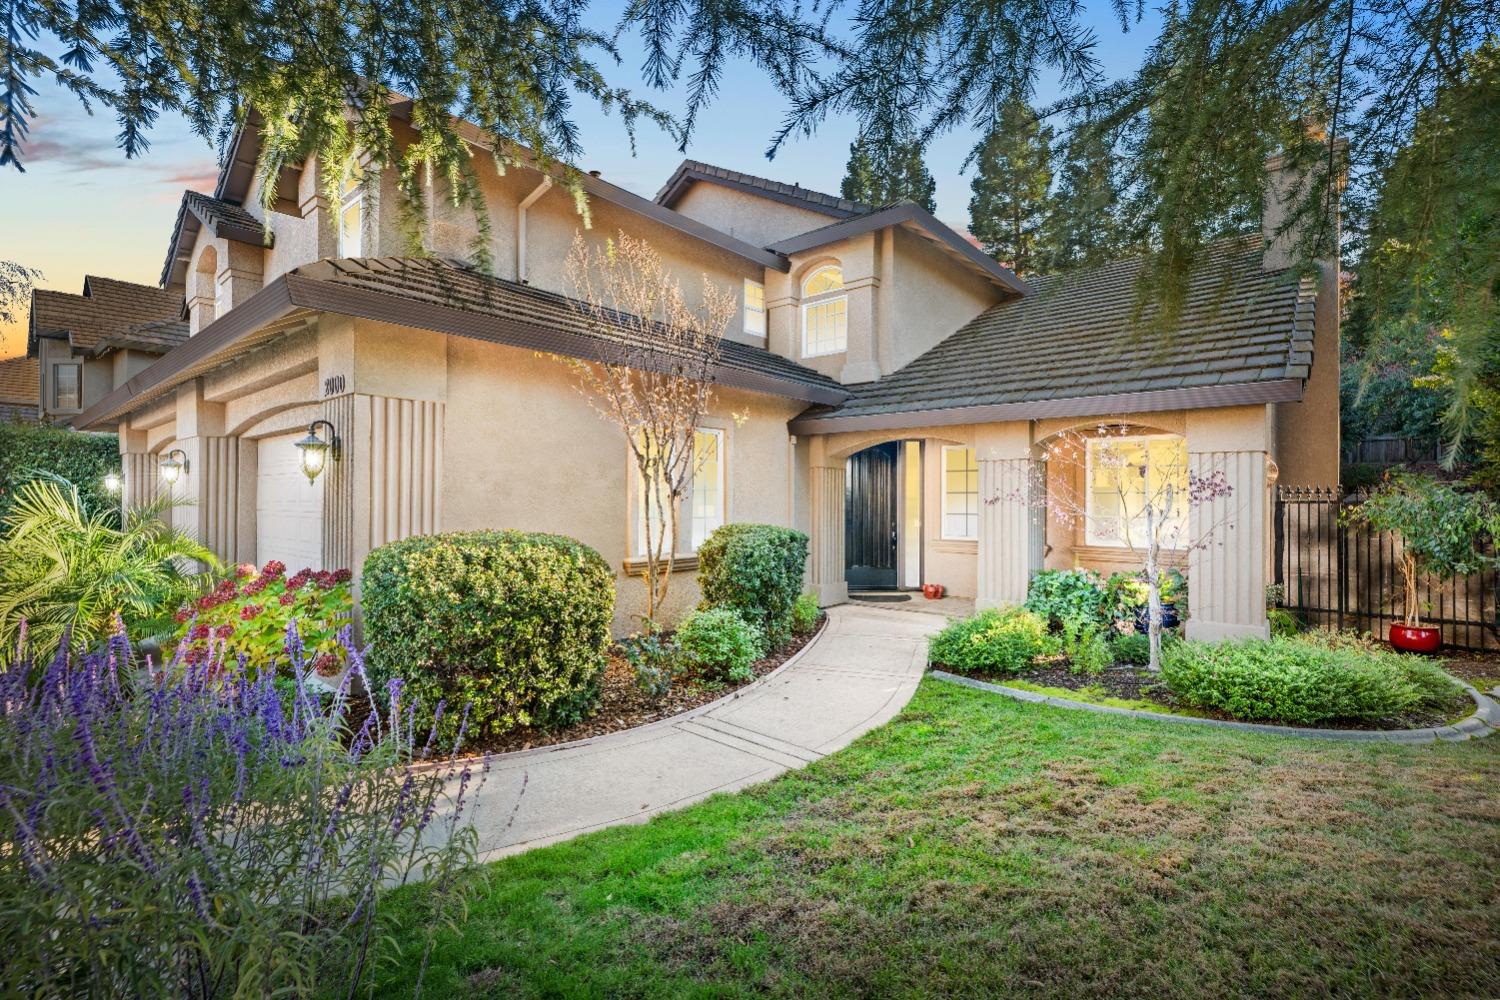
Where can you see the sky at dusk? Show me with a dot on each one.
(82, 208)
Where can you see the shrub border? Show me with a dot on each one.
(671, 720)
(1484, 721)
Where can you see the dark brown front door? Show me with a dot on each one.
(870, 517)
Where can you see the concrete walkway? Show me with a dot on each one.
(855, 676)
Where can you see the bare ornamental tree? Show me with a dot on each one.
(653, 378)
(1136, 491)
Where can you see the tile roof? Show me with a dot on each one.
(157, 337)
(20, 381)
(695, 170)
(1077, 337)
(223, 217)
(107, 306)
(456, 285)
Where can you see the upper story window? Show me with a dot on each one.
(825, 312)
(67, 388)
(351, 215)
(755, 308)
(1133, 482)
(960, 493)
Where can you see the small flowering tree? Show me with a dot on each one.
(199, 831)
(1135, 492)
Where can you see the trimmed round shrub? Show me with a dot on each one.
(1133, 648)
(513, 624)
(1303, 680)
(1068, 595)
(993, 641)
(756, 569)
(721, 644)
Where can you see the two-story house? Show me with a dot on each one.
(884, 381)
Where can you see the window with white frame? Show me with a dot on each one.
(755, 308)
(67, 387)
(351, 214)
(705, 508)
(825, 312)
(960, 493)
(1129, 477)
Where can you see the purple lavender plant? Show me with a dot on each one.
(198, 831)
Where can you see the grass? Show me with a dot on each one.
(978, 846)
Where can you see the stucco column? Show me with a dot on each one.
(1230, 535)
(210, 486)
(862, 360)
(1010, 523)
(825, 480)
(139, 472)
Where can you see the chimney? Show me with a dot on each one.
(1288, 186)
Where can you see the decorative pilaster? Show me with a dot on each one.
(1230, 548)
(388, 481)
(142, 479)
(827, 556)
(1009, 530)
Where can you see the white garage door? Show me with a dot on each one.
(288, 509)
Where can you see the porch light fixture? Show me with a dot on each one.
(316, 451)
(173, 467)
(112, 482)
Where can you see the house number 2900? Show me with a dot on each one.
(333, 385)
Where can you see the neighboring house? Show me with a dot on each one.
(85, 345)
(20, 389)
(884, 380)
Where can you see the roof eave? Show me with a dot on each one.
(1199, 397)
(292, 291)
(686, 176)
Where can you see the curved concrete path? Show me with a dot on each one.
(856, 675)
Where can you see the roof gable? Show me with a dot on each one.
(690, 172)
(1075, 347)
(106, 306)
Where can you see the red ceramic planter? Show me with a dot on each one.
(932, 591)
(1416, 640)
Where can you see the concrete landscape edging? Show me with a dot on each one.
(1484, 721)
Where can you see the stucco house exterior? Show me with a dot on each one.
(884, 380)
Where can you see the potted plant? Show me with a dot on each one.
(1129, 599)
(1443, 533)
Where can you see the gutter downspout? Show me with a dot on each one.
(526, 203)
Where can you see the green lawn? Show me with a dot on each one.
(977, 846)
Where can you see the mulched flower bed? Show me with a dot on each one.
(1479, 669)
(1132, 683)
(624, 706)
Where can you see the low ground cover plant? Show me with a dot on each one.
(805, 613)
(514, 624)
(1086, 646)
(720, 644)
(656, 659)
(755, 569)
(193, 832)
(995, 640)
(249, 612)
(1133, 648)
(1303, 680)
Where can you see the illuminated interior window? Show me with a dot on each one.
(825, 312)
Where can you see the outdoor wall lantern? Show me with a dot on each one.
(112, 482)
(173, 467)
(316, 451)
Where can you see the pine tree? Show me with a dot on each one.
(880, 173)
(1089, 223)
(1011, 203)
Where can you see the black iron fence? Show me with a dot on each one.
(1348, 576)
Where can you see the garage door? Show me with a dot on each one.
(288, 509)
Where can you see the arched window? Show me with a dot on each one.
(825, 312)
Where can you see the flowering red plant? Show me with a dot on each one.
(249, 612)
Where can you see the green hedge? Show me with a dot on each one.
(756, 569)
(513, 624)
(1304, 680)
(27, 450)
(993, 641)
